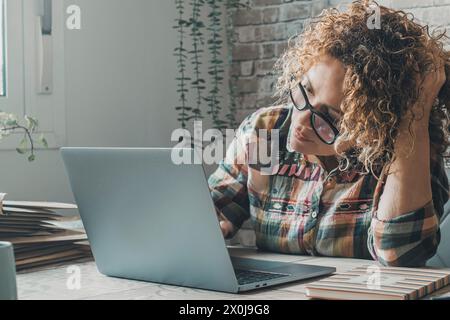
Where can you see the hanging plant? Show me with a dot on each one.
(180, 53)
(216, 66)
(9, 123)
(198, 83)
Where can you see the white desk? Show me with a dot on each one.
(52, 283)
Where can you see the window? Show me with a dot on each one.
(2, 50)
(26, 51)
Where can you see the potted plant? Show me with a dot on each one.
(10, 123)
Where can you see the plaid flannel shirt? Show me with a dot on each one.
(303, 209)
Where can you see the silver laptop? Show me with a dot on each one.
(149, 219)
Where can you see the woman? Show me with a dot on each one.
(362, 131)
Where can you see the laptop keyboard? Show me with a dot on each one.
(249, 276)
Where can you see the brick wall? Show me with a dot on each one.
(431, 12)
(262, 33)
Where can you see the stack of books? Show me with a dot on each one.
(380, 283)
(41, 236)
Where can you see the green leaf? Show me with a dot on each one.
(28, 121)
(32, 158)
(32, 123)
(23, 144)
(11, 122)
(43, 141)
(21, 151)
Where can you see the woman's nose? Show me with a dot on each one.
(304, 117)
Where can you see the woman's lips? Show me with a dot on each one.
(300, 136)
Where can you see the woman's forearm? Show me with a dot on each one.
(408, 184)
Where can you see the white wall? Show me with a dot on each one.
(120, 91)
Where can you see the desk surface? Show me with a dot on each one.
(52, 283)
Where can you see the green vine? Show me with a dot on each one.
(180, 53)
(198, 83)
(9, 123)
(213, 24)
(215, 68)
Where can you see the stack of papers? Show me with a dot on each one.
(40, 235)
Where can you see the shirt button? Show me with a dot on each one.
(314, 214)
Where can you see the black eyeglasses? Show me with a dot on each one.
(323, 126)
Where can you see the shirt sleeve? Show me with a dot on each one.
(228, 184)
(411, 239)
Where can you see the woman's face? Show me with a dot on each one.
(323, 85)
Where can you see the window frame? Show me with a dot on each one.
(21, 73)
(2, 47)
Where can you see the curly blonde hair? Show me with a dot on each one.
(382, 81)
